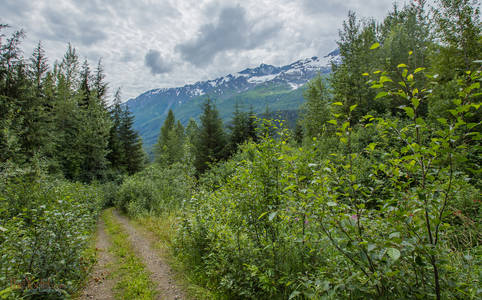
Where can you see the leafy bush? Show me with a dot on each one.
(46, 226)
(155, 190)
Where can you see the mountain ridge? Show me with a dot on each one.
(278, 87)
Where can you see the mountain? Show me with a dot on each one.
(266, 86)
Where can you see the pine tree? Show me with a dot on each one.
(11, 86)
(116, 151)
(239, 129)
(211, 145)
(99, 84)
(85, 85)
(133, 152)
(243, 128)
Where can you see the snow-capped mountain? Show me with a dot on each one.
(151, 107)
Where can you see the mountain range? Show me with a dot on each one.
(263, 88)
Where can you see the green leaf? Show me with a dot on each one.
(385, 79)
(272, 215)
(331, 204)
(415, 102)
(365, 74)
(262, 215)
(380, 95)
(345, 125)
(402, 66)
(3, 229)
(337, 103)
(442, 120)
(372, 146)
(353, 107)
(418, 70)
(409, 111)
(393, 253)
(410, 52)
(371, 247)
(375, 46)
(334, 122)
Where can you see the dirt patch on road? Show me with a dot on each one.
(161, 274)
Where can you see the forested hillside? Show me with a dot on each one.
(373, 193)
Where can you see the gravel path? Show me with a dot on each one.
(100, 285)
(161, 274)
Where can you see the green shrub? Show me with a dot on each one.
(46, 228)
(155, 190)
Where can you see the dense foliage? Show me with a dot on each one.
(155, 190)
(46, 228)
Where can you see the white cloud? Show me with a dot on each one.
(149, 44)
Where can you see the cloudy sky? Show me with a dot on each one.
(146, 44)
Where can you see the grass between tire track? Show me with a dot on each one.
(132, 279)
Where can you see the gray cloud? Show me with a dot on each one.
(156, 63)
(232, 31)
(320, 7)
(18, 7)
(212, 37)
(75, 28)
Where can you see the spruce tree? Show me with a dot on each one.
(12, 72)
(211, 145)
(85, 84)
(243, 128)
(132, 144)
(116, 151)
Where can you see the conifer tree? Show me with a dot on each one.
(133, 152)
(85, 85)
(211, 145)
(99, 84)
(11, 69)
(243, 128)
(116, 151)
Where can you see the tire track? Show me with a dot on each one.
(161, 274)
(100, 285)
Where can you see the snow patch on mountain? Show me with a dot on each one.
(294, 76)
